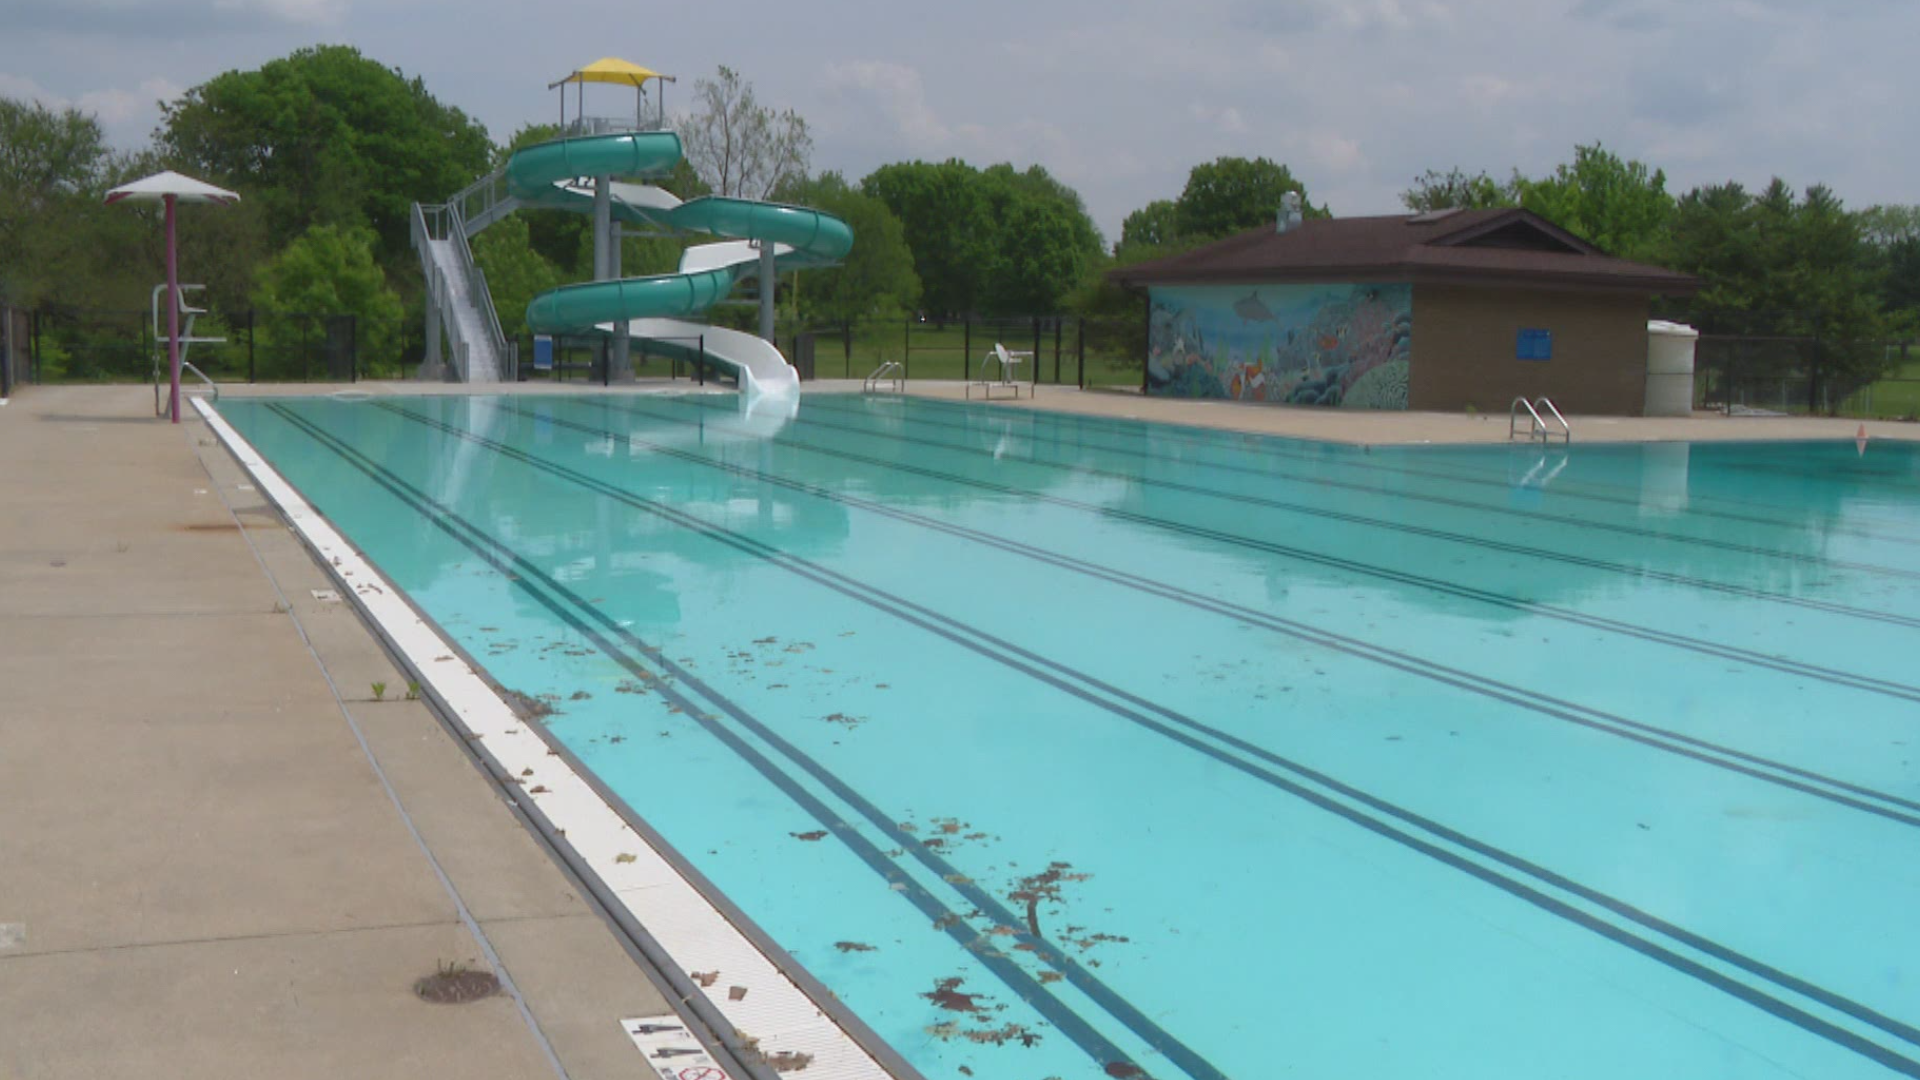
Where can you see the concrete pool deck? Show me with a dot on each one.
(206, 873)
(224, 858)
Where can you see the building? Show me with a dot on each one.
(1447, 310)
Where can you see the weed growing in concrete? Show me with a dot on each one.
(379, 691)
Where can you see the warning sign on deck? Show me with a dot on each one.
(672, 1051)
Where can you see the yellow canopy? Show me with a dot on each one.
(608, 69)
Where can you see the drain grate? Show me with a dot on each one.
(456, 986)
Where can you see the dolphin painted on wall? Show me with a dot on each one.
(1252, 310)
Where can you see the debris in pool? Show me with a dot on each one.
(538, 789)
(1051, 977)
(777, 686)
(579, 695)
(526, 772)
(765, 640)
(628, 686)
(853, 946)
(843, 718)
(946, 994)
(525, 706)
(1044, 885)
(817, 834)
(736, 993)
(705, 978)
(1126, 1070)
(626, 857)
(881, 686)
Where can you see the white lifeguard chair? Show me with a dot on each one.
(162, 373)
(1008, 359)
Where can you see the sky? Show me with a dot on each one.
(1118, 99)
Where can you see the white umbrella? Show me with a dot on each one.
(172, 188)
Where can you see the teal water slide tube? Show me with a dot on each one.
(549, 176)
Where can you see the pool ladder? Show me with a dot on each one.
(1537, 427)
(890, 372)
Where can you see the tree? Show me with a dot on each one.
(1230, 195)
(516, 273)
(944, 217)
(1779, 265)
(1894, 234)
(330, 270)
(1153, 225)
(51, 167)
(326, 136)
(1455, 189)
(739, 147)
(1620, 206)
(876, 279)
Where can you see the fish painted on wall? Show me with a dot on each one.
(1252, 310)
(1303, 345)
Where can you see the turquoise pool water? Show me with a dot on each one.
(1079, 748)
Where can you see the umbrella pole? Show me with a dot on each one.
(173, 317)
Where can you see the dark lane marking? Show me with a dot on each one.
(1798, 668)
(1010, 656)
(564, 604)
(1545, 705)
(1468, 539)
(1487, 508)
(1275, 446)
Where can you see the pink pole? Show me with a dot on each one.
(173, 317)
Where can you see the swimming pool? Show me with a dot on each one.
(1060, 746)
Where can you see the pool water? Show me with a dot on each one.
(1071, 747)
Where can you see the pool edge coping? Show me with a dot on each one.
(569, 809)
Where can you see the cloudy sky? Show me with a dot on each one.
(1120, 98)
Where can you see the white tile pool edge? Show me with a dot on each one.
(755, 995)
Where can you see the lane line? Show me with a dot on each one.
(1686, 965)
(591, 827)
(1544, 704)
(568, 606)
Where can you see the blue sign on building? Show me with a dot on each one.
(1533, 345)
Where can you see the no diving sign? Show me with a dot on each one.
(671, 1050)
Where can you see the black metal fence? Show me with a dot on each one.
(75, 344)
(1059, 350)
(1793, 375)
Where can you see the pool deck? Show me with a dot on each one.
(225, 858)
(208, 873)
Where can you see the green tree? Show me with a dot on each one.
(1231, 194)
(1155, 225)
(1456, 189)
(1782, 265)
(876, 279)
(1894, 233)
(326, 136)
(516, 273)
(1620, 206)
(738, 146)
(330, 270)
(944, 216)
(52, 168)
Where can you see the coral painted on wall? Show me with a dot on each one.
(1348, 345)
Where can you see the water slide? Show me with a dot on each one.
(558, 175)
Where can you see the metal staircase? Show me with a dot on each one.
(459, 304)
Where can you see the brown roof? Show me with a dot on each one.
(1465, 247)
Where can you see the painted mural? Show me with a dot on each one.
(1348, 345)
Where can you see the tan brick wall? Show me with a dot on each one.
(1463, 350)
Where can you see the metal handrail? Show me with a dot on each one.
(1537, 427)
(447, 219)
(892, 371)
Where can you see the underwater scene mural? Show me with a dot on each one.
(1348, 345)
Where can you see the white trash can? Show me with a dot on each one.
(1670, 368)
